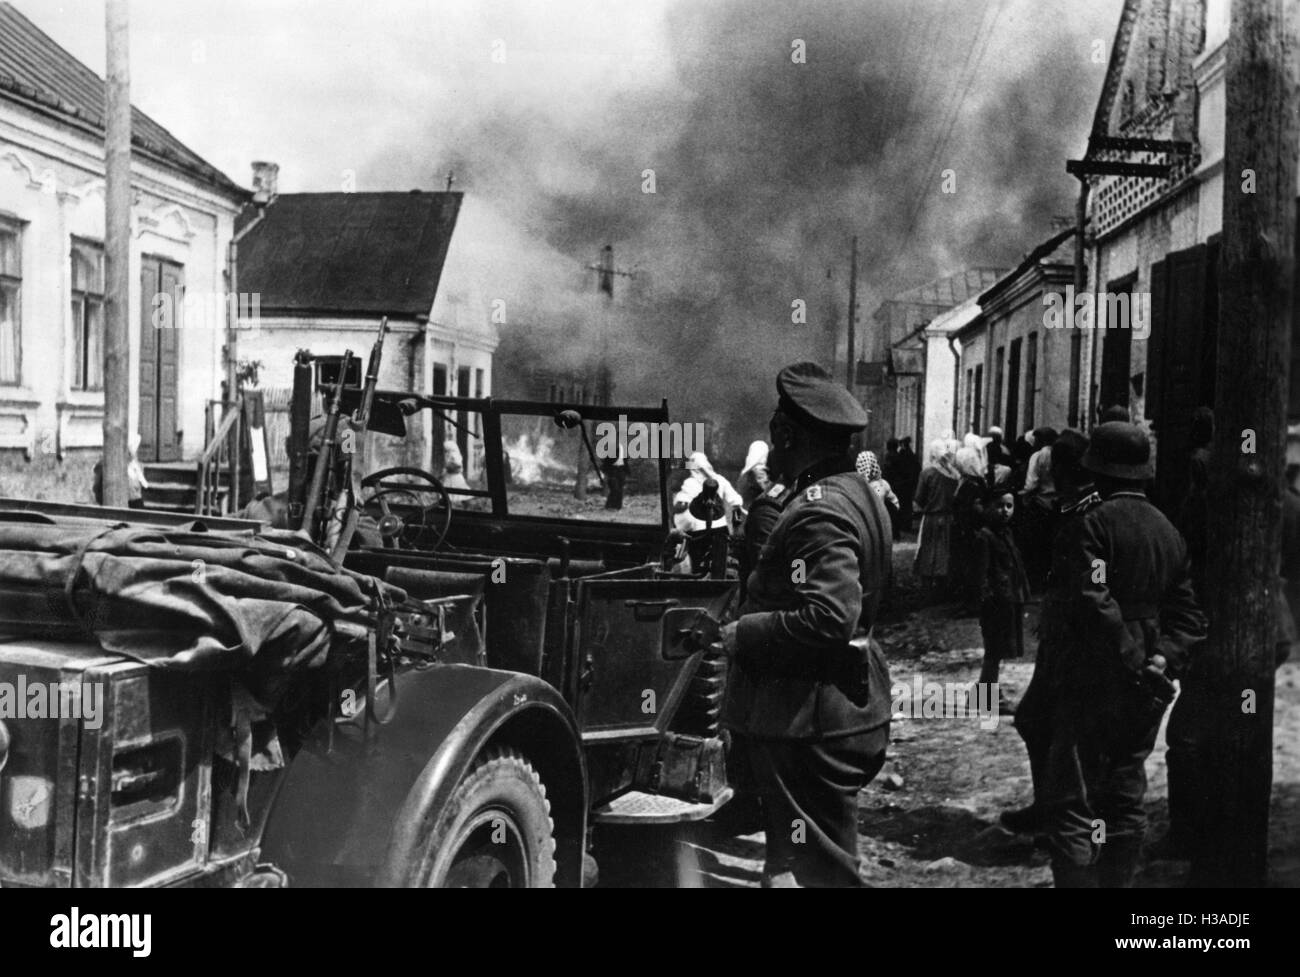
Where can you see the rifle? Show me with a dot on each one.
(325, 458)
(360, 422)
(361, 416)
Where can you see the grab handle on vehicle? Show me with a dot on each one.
(649, 610)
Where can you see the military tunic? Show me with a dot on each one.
(808, 696)
(1132, 599)
(1055, 631)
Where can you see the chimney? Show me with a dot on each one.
(266, 176)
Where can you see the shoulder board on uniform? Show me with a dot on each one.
(813, 493)
(1089, 501)
(776, 491)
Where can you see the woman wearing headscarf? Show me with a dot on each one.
(453, 468)
(934, 494)
(698, 472)
(868, 466)
(754, 479)
(968, 519)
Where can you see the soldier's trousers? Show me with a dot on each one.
(1033, 721)
(809, 792)
(1095, 781)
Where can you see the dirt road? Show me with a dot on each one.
(939, 827)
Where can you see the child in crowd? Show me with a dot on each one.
(1003, 589)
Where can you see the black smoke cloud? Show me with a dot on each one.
(764, 171)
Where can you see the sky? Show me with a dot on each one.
(776, 131)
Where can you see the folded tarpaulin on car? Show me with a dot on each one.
(268, 603)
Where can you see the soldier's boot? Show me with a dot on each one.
(1024, 821)
(1067, 875)
(1118, 865)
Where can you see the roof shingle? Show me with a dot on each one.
(38, 73)
(349, 253)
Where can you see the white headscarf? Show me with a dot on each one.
(969, 463)
(935, 450)
(698, 463)
(980, 446)
(699, 468)
(757, 455)
(939, 455)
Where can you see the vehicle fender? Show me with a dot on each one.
(351, 815)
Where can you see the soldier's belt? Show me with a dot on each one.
(840, 666)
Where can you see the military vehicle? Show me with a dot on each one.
(424, 685)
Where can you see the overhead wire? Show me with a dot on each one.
(951, 120)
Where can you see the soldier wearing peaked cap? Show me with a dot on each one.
(808, 698)
(1137, 623)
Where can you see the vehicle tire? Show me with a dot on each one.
(495, 831)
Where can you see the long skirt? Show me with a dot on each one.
(932, 551)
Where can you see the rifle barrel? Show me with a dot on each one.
(326, 456)
(362, 416)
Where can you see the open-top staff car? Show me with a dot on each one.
(487, 671)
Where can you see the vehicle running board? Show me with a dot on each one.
(638, 807)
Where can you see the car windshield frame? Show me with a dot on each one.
(492, 409)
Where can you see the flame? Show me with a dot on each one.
(533, 461)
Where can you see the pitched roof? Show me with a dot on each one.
(1056, 250)
(949, 290)
(956, 317)
(37, 73)
(949, 321)
(348, 253)
(1115, 66)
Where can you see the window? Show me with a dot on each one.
(998, 359)
(970, 394)
(11, 289)
(87, 315)
(1116, 344)
(1011, 418)
(1031, 380)
(978, 420)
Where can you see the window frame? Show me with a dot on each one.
(1031, 382)
(81, 300)
(999, 380)
(15, 281)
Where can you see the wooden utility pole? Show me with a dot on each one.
(1261, 143)
(606, 272)
(853, 311)
(117, 255)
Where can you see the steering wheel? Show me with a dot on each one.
(425, 507)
